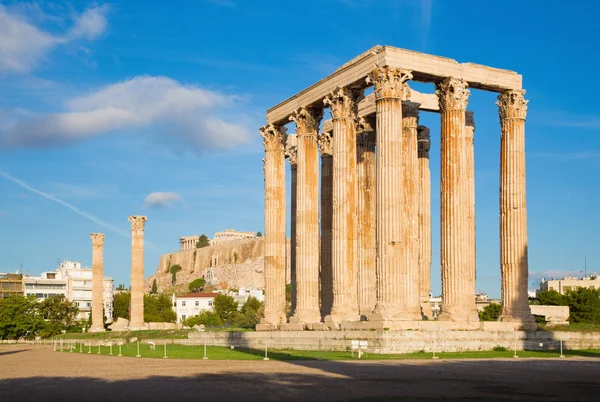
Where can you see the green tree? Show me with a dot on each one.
(202, 241)
(491, 312)
(158, 308)
(59, 313)
(121, 287)
(196, 285)
(121, 305)
(154, 287)
(20, 316)
(226, 307)
(173, 270)
(584, 305)
(551, 298)
(258, 234)
(250, 313)
(206, 318)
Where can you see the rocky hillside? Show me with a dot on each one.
(234, 264)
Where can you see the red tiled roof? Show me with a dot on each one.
(200, 294)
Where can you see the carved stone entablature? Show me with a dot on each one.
(343, 102)
(410, 114)
(423, 138)
(512, 105)
(97, 239)
(469, 120)
(291, 148)
(307, 120)
(138, 222)
(273, 137)
(452, 94)
(389, 82)
(326, 144)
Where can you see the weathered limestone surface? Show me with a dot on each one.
(343, 106)
(458, 303)
(291, 151)
(326, 147)
(470, 167)
(513, 209)
(365, 168)
(275, 241)
(137, 272)
(424, 206)
(554, 315)
(97, 282)
(307, 218)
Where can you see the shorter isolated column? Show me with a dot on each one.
(97, 283)
(136, 321)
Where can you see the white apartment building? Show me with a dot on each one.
(567, 283)
(242, 295)
(73, 281)
(191, 304)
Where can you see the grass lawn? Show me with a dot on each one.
(225, 353)
(151, 334)
(575, 327)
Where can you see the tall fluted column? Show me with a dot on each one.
(458, 298)
(513, 210)
(291, 151)
(275, 225)
(424, 206)
(343, 103)
(470, 165)
(388, 83)
(326, 146)
(307, 219)
(97, 282)
(409, 276)
(137, 272)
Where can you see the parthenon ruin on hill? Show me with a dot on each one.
(362, 252)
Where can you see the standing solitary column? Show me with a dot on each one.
(307, 219)
(291, 151)
(365, 169)
(410, 274)
(343, 103)
(388, 83)
(274, 170)
(326, 146)
(458, 299)
(97, 282)
(470, 165)
(136, 321)
(424, 205)
(513, 210)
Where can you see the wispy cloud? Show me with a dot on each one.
(147, 104)
(63, 203)
(161, 200)
(81, 191)
(23, 45)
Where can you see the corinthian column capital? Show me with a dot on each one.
(389, 82)
(138, 222)
(273, 137)
(326, 144)
(343, 102)
(410, 114)
(512, 105)
(97, 239)
(452, 94)
(291, 148)
(423, 139)
(307, 120)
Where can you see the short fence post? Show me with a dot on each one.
(98, 348)
(110, 353)
(80, 347)
(205, 358)
(138, 349)
(266, 347)
(120, 354)
(561, 349)
(165, 356)
(89, 348)
(61, 345)
(54, 345)
(71, 346)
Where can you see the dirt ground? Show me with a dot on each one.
(35, 373)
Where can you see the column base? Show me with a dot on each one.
(337, 316)
(388, 313)
(266, 327)
(522, 322)
(306, 317)
(96, 329)
(458, 314)
(137, 326)
(273, 318)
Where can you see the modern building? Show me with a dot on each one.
(242, 295)
(567, 283)
(191, 304)
(10, 284)
(73, 281)
(230, 235)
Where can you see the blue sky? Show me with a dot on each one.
(102, 105)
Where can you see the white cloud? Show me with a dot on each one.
(185, 112)
(23, 45)
(161, 200)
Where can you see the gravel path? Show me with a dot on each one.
(35, 373)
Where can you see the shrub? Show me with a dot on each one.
(491, 312)
(206, 318)
(499, 349)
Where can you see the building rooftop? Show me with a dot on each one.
(199, 295)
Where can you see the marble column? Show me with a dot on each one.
(366, 246)
(513, 210)
(136, 320)
(458, 297)
(326, 147)
(275, 227)
(410, 274)
(388, 83)
(343, 104)
(291, 151)
(307, 218)
(97, 282)
(470, 165)
(424, 212)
